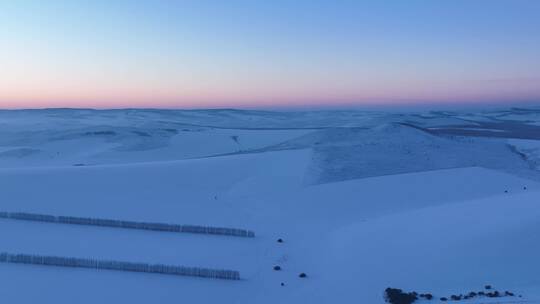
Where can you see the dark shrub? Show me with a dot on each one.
(444, 299)
(397, 296)
(277, 268)
(494, 294)
(303, 275)
(508, 293)
(426, 296)
(487, 287)
(280, 240)
(455, 298)
(472, 294)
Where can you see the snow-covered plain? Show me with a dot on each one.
(439, 202)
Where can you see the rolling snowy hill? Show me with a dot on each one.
(362, 201)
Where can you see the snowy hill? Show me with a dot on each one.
(362, 201)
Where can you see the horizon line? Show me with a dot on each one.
(307, 107)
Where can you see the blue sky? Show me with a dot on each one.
(267, 53)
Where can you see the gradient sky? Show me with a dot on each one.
(267, 53)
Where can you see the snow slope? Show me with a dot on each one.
(331, 230)
(464, 215)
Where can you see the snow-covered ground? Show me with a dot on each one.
(438, 202)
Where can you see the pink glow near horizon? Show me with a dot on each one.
(148, 98)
